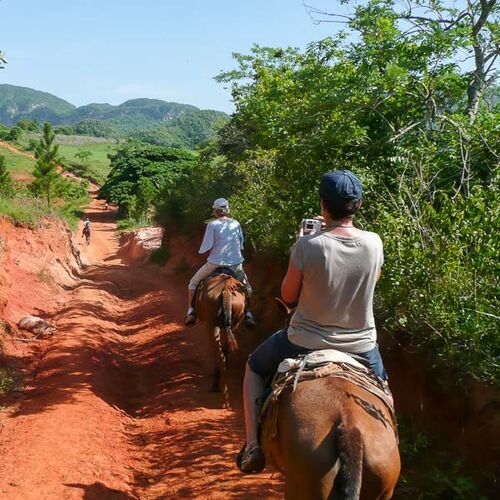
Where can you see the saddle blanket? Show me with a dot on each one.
(319, 358)
(319, 364)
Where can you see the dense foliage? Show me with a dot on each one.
(393, 107)
(140, 173)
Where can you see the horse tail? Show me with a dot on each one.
(349, 444)
(227, 316)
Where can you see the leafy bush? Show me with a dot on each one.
(139, 173)
(14, 134)
(95, 128)
(430, 473)
(64, 130)
(28, 125)
(4, 131)
(6, 381)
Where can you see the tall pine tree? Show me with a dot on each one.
(45, 171)
(5, 179)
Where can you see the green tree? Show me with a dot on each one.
(45, 172)
(6, 188)
(83, 155)
(15, 133)
(139, 172)
(29, 125)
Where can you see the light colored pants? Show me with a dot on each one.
(207, 269)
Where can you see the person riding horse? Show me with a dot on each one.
(224, 239)
(332, 274)
(86, 229)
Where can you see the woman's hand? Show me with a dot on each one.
(322, 219)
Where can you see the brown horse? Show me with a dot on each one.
(334, 439)
(220, 305)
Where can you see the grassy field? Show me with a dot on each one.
(97, 164)
(17, 163)
(98, 161)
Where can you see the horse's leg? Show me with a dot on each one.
(220, 362)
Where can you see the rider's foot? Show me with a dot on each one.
(249, 320)
(251, 459)
(190, 320)
(190, 317)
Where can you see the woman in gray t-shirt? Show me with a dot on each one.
(332, 277)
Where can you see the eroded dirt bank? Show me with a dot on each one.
(116, 402)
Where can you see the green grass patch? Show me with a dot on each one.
(17, 163)
(72, 212)
(29, 211)
(128, 224)
(24, 209)
(6, 381)
(98, 164)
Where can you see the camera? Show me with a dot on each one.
(311, 226)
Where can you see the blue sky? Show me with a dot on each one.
(113, 50)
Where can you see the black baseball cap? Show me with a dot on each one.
(339, 186)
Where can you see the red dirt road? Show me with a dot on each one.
(118, 404)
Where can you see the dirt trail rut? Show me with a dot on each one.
(118, 406)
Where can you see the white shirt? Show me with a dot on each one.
(224, 238)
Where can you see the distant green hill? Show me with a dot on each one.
(22, 102)
(150, 120)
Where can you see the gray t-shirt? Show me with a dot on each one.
(335, 308)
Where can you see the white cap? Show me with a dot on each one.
(221, 204)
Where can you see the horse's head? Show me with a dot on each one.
(286, 310)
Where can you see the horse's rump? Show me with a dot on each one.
(209, 293)
(285, 383)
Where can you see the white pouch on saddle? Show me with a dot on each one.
(318, 358)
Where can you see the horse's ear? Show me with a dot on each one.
(283, 307)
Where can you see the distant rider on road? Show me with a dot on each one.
(86, 229)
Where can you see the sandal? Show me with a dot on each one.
(252, 460)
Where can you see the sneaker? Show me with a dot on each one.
(252, 460)
(249, 320)
(190, 319)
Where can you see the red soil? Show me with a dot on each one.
(115, 404)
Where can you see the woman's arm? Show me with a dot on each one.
(292, 284)
(208, 239)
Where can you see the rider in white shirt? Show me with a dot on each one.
(224, 240)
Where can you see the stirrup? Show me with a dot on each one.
(190, 319)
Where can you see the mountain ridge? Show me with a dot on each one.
(19, 102)
(150, 120)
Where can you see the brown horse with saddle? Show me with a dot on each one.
(220, 301)
(328, 424)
